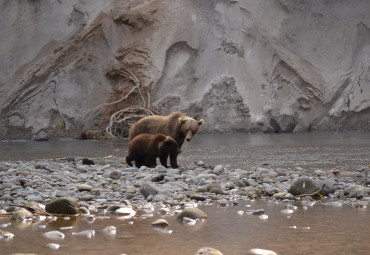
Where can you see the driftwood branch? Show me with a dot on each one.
(131, 77)
(314, 193)
(332, 172)
(122, 119)
(118, 120)
(114, 153)
(32, 210)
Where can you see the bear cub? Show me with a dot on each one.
(144, 149)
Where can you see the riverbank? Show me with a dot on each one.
(240, 181)
(110, 187)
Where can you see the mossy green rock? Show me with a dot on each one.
(64, 205)
(251, 192)
(303, 185)
(21, 215)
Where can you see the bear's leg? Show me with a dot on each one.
(173, 161)
(163, 158)
(128, 160)
(150, 162)
(138, 163)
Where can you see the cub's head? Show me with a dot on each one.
(169, 146)
(189, 126)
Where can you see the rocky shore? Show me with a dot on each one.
(30, 189)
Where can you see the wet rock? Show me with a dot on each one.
(356, 191)
(160, 223)
(84, 210)
(281, 179)
(285, 196)
(158, 178)
(269, 190)
(56, 235)
(200, 163)
(223, 202)
(216, 191)
(238, 183)
(250, 182)
(3, 168)
(87, 233)
(281, 172)
(161, 198)
(147, 188)
(213, 185)
(110, 230)
(125, 211)
(261, 252)
(261, 172)
(303, 185)
(192, 213)
(64, 205)
(263, 217)
(198, 197)
(87, 197)
(35, 198)
(41, 166)
(255, 212)
(329, 187)
(250, 192)
(115, 175)
(217, 170)
(280, 195)
(84, 187)
(272, 174)
(189, 221)
(81, 169)
(113, 208)
(12, 208)
(208, 251)
(6, 235)
(21, 215)
(36, 206)
(87, 161)
(53, 246)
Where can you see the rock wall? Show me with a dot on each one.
(272, 66)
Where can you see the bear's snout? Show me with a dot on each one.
(189, 135)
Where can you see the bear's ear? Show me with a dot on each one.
(200, 122)
(181, 121)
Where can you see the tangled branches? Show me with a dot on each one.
(121, 120)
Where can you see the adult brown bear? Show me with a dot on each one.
(144, 149)
(177, 125)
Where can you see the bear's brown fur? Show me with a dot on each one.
(145, 148)
(177, 125)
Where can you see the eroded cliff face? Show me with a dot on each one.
(273, 66)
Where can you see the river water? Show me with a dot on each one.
(320, 228)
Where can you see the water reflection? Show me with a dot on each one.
(321, 229)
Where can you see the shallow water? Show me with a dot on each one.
(319, 229)
(346, 151)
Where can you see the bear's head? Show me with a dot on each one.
(169, 146)
(188, 127)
